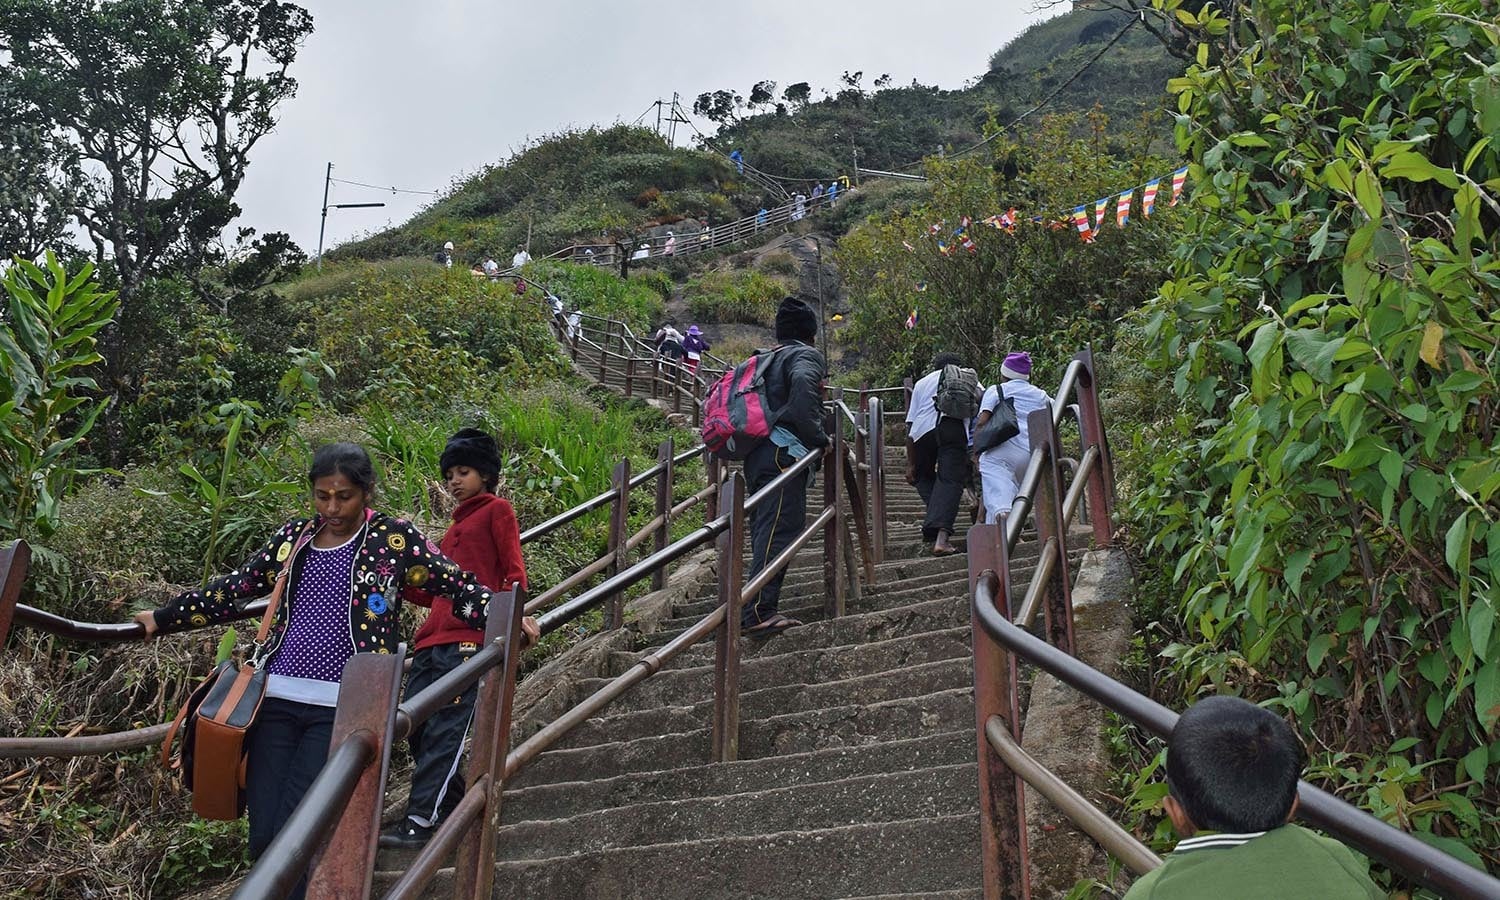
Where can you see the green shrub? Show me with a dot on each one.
(46, 344)
(637, 301)
(437, 339)
(746, 296)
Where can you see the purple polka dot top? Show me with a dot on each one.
(317, 639)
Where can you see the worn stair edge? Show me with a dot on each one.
(892, 684)
(849, 725)
(789, 865)
(568, 798)
(876, 797)
(803, 666)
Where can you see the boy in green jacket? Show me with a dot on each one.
(1232, 770)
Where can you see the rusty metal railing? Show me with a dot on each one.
(1006, 641)
(1002, 636)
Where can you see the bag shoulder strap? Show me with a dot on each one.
(275, 601)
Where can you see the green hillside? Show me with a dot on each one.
(616, 181)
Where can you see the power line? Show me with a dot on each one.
(382, 187)
(1045, 100)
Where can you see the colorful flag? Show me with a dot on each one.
(1101, 209)
(1148, 197)
(992, 221)
(969, 244)
(1122, 209)
(1179, 178)
(964, 222)
(907, 245)
(943, 248)
(921, 287)
(1010, 219)
(935, 227)
(911, 320)
(1081, 219)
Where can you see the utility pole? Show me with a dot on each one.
(658, 118)
(327, 178)
(822, 319)
(676, 118)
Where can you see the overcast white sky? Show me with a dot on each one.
(410, 95)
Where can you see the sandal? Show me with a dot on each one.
(772, 626)
(944, 551)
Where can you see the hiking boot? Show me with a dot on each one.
(406, 835)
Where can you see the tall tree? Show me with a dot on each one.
(160, 103)
(38, 178)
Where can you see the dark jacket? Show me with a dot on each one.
(391, 555)
(794, 385)
(484, 539)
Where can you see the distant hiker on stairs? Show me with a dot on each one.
(943, 403)
(794, 387)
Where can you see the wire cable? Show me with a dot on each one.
(1045, 100)
(382, 187)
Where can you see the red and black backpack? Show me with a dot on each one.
(737, 412)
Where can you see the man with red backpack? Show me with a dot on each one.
(794, 375)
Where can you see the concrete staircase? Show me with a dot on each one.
(856, 777)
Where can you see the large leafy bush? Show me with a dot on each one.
(1325, 492)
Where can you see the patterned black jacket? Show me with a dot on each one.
(391, 555)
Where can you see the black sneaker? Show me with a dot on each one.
(405, 835)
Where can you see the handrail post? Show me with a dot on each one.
(676, 386)
(715, 469)
(14, 560)
(1058, 599)
(1002, 805)
(833, 531)
(474, 863)
(629, 373)
(619, 518)
(731, 547)
(664, 482)
(877, 479)
(368, 693)
(604, 349)
(1101, 489)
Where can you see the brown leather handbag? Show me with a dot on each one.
(218, 713)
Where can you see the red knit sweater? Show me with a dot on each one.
(485, 541)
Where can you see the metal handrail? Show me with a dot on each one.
(1120, 843)
(290, 853)
(602, 499)
(562, 614)
(1396, 849)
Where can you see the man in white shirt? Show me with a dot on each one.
(520, 259)
(491, 268)
(937, 458)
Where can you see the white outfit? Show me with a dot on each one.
(575, 321)
(922, 416)
(1001, 467)
(490, 266)
(520, 259)
(643, 253)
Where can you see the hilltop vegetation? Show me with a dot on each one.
(609, 182)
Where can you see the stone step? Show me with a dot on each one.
(806, 592)
(859, 859)
(809, 608)
(627, 723)
(856, 628)
(569, 798)
(815, 665)
(863, 799)
(801, 732)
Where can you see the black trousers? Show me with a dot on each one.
(288, 745)
(941, 457)
(773, 524)
(437, 745)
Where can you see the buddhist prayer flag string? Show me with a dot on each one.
(911, 320)
(1088, 230)
(1148, 197)
(1081, 219)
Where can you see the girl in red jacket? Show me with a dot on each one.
(485, 540)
